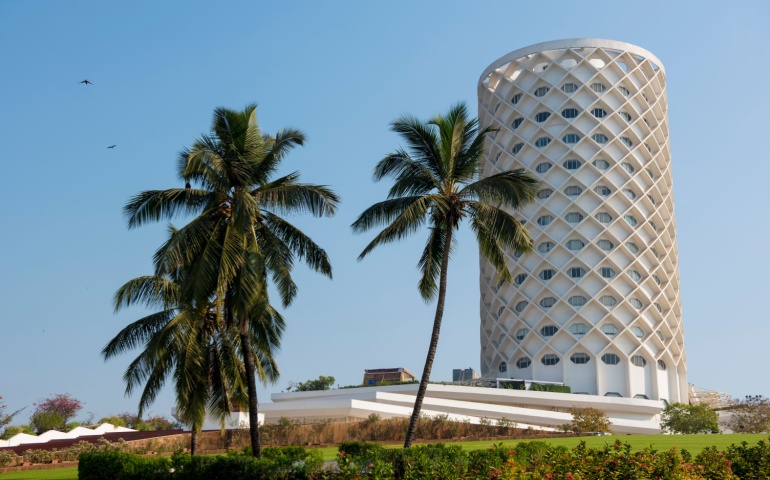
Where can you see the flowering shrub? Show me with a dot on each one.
(68, 454)
(750, 462)
(530, 460)
(540, 460)
(53, 413)
(8, 458)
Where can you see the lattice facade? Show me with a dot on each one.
(596, 305)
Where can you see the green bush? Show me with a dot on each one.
(714, 464)
(540, 460)
(46, 420)
(123, 466)
(430, 461)
(8, 458)
(750, 462)
(540, 387)
(15, 430)
(587, 420)
(488, 463)
(293, 462)
(220, 467)
(114, 420)
(683, 418)
(277, 463)
(369, 459)
(535, 387)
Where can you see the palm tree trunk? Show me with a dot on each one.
(193, 441)
(251, 380)
(433, 339)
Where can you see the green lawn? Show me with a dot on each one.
(692, 443)
(57, 474)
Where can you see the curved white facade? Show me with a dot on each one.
(596, 305)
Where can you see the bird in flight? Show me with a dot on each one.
(112, 146)
(87, 82)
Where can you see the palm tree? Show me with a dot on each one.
(191, 346)
(437, 183)
(237, 239)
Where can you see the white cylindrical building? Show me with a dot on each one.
(596, 305)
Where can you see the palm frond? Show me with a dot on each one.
(203, 163)
(387, 211)
(501, 226)
(451, 127)
(405, 215)
(468, 164)
(302, 245)
(412, 178)
(150, 291)
(156, 205)
(423, 142)
(276, 150)
(286, 195)
(430, 261)
(137, 333)
(279, 262)
(512, 189)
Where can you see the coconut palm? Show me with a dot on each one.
(190, 345)
(437, 184)
(237, 239)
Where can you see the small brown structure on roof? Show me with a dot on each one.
(387, 375)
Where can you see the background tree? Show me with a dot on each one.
(12, 430)
(750, 415)
(6, 418)
(586, 420)
(44, 421)
(683, 418)
(53, 413)
(437, 184)
(321, 383)
(158, 422)
(113, 420)
(237, 239)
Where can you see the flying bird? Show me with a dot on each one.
(87, 82)
(112, 146)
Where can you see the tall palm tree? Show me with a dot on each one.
(237, 238)
(437, 184)
(190, 345)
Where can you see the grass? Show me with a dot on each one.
(692, 443)
(56, 474)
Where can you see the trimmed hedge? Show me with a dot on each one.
(536, 387)
(276, 463)
(540, 460)
(358, 460)
(540, 387)
(122, 466)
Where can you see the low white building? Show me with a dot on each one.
(25, 438)
(235, 420)
(540, 410)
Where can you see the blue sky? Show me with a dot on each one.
(340, 71)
